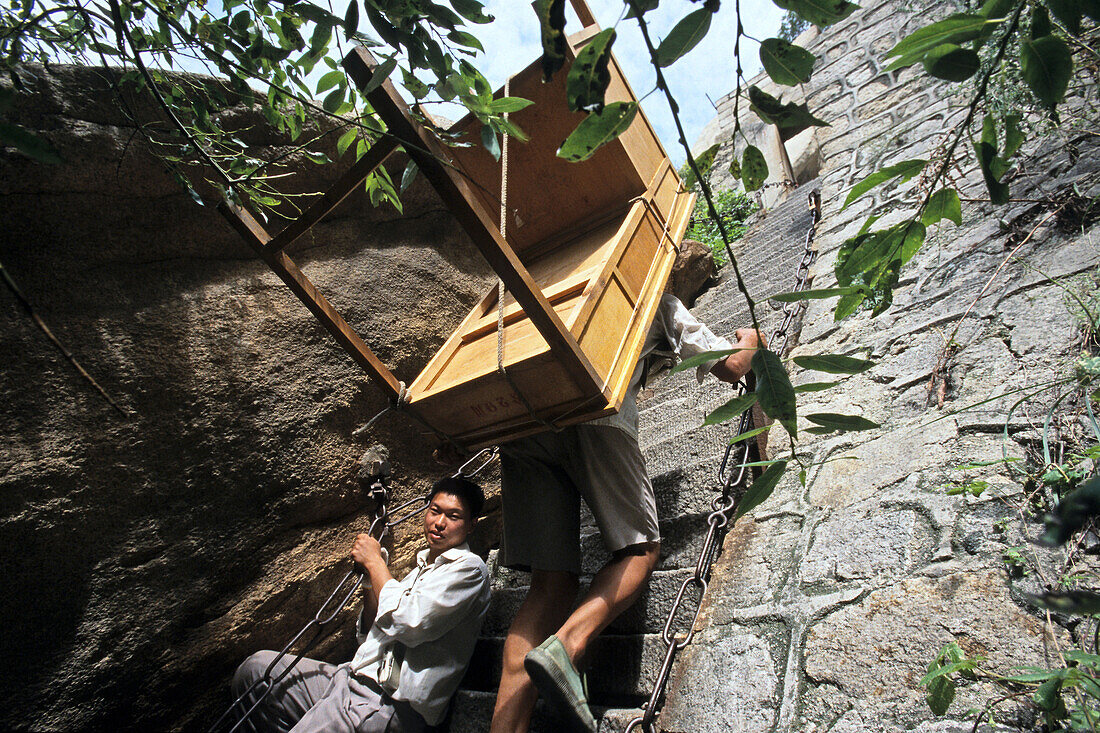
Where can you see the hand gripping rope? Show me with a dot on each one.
(731, 477)
(354, 578)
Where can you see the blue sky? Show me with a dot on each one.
(512, 42)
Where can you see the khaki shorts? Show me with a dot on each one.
(543, 479)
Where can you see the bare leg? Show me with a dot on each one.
(614, 588)
(545, 608)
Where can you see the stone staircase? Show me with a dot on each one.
(683, 460)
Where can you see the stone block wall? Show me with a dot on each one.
(830, 600)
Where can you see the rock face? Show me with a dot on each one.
(148, 553)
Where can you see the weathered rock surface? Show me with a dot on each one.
(147, 554)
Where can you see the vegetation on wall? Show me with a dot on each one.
(1050, 562)
(734, 208)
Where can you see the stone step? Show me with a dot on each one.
(622, 667)
(647, 616)
(473, 710)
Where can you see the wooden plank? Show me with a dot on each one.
(258, 238)
(331, 199)
(584, 13)
(459, 197)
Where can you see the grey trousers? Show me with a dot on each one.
(317, 696)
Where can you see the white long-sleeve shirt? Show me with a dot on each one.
(676, 329)
(436, 613)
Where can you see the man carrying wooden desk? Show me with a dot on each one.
(544, 478)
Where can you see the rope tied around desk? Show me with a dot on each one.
(500, 283)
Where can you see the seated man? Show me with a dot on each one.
(420, 636)
(543, 479)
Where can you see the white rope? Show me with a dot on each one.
(500, 283)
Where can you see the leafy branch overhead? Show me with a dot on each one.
(284, 58)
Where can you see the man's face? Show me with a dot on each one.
(446, 523)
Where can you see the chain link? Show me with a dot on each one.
(731, 476)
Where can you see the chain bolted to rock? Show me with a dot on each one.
(731, 477)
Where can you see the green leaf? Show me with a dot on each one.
(988, 162)
(1032, 677)
(790, 118)
(1049, 694)
(380, 74)
(28, 143)
(867, 252)
(588, 77)
(941, 688)
(814, 387)
(848, 304)
(1014, 136)
(731, 409)
(951, 62)
(996, 8)
(507, 105)
(798, 295)
(472, 10)
(702, 358)
(596, 130)
(409, 175)
(944, 204)
(761, 489)
(1046, 65)
(1077, 602)
(911, 243)
(465, 39)
(748, 434)
(785, 62)
(1076, 655)
(821, 13)
(684, 36)
(754, 169)
(774, 389)
(1073, 512)
(1040, 21)
(836, 421)
(345, 141)
(333, 100)
(834, 364)
(735, 168)
(957, 28)
(318, 42)
(551, 14)
(639, 8)
(903, 170)
(417, 88)
(490, 142)
(351, 19)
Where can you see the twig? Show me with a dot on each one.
(29, 310)
(1000, 267)
(703, 185)
(124, 34)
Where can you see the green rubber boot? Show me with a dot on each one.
(558, 682)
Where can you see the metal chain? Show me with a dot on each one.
(758, 194)
(381, 525)
(731, 476)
